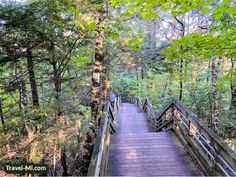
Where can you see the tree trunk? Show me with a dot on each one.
(57, 86)
(181, 22)
(22, 88)
(63, 161)
(215, 99)
(106, 86)
(194, 85)
(23, 94)
(96, 77)
(209, 117)
(2, 117)
(195, 73)
(181, 80)
(33, 84)
(142, 74)
(56, 79)
(232, 109)
(96, 98)
(233, 88)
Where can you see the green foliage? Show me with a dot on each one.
(61, 35)
(162, 78)
(124, 85)
(59, 38)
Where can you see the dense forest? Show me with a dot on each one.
(59, 60)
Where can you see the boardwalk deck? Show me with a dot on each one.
(137, 151)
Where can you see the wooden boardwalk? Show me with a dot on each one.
(137, 151)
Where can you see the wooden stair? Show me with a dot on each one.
(137, 151)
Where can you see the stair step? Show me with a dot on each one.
(136, 151)
(154, 134)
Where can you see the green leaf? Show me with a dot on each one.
(114, 35)
(217, 16)
(205, 10)
(77, 23)
(30, 1)
(92, 26)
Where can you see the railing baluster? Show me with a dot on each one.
(174, 113)
(190, 125)
(99, 158)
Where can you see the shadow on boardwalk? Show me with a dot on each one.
(138, 151)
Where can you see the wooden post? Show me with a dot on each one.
(192, 127)
(168, 114)
(191, 131)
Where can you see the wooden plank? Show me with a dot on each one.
(219, 145)
(152, 159)
(150, 134)
(140, 137)
(94, 158)
(130, 120)
(135, 166)
(139, 142)
(195, 154)
(153, 172)
(133, 155)
(136, 151)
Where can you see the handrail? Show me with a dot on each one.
(98, 163)
(139, 104)
(207, 148)
(128, 99)
(149, 109)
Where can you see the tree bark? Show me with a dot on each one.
(195, 73)
(56, 79)
(181, 80)
(2, 117)
(181, 60)
(57, 86)
(210, 107)
(63, 162)
(96, 99)
(96, 77)
(142, 74)
(23, 94)
(215, 98)
(106, 86)
(232, 109)
(33, 84)
(22, 88)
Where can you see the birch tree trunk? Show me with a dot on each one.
(96, 77)
(106, 86)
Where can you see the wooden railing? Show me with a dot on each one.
(205, 147)
(126, 99)
(138, 103)
(116, 104)
(98, 163)
(149, 109)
